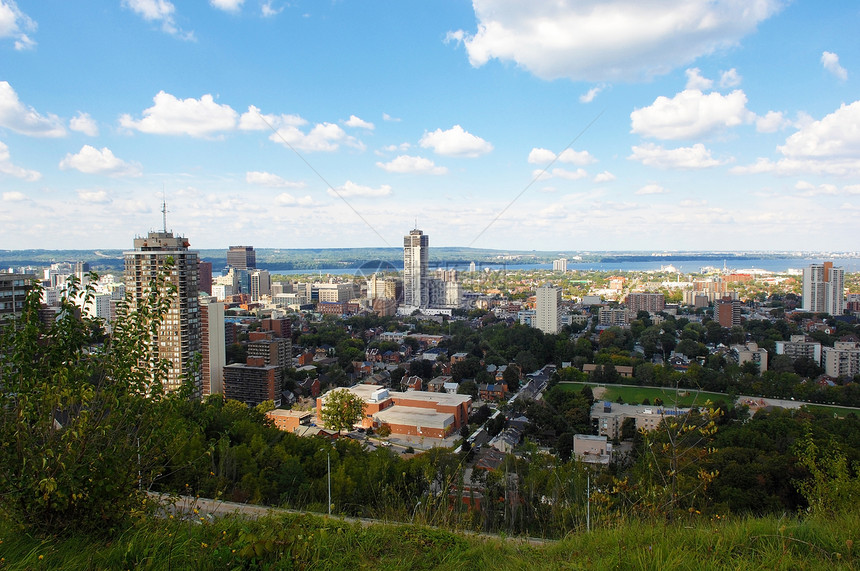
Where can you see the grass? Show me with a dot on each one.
(310, 542)
(683, 397)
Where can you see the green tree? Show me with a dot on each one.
(83, 426)
(341, 409)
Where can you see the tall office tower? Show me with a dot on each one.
(213, 345)
(204, 280)
(548, 307)
(242, 257)
(261, 284)
(178, 337)
(416, 294)
(823, 289)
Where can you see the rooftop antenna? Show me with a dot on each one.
(164, 210)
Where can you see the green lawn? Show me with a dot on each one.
(683, 397)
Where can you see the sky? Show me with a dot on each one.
(549, 125)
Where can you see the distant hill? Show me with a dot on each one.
(340, 258)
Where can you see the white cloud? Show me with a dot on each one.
(395, 148)
(287, 199)
(15, 24)
(6, 166)
(14, 196)
(605, 176)
(93, 161)
(696, 81)
(695, 157)
(268, 11)
(808, 189)
(455, 142)
(539, 156)
(589, 95)
(194, 117)
(608, 40)
(852, 189)
(836, 135)
(411, 164)
(350, 189)
(830, 61)
(730, 78)
(83, 123)
(387, 117)
(358, 123)
(569, 175)
(270, 180)
(691, 114)
(254, 120)
(94, 196)
(227, 5)
(772, 122)
(159, 11)
(20, 118)
(322, 137)
(651, 189)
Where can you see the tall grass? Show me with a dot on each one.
(310, 542)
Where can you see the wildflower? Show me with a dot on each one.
(204, 545)
(41, 557)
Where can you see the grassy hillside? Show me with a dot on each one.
(306, 542)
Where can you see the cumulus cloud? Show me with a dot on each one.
(94, 196)
(772, 122)
(94, 161)
(539, 156)
(807, 189)
(15, 24)
(695, 157)
(589, 95)
(828, 146)
(387, 117)
(287, 199)
(83, 123)
(358, 123)
(161, 12)
(254, 120)
(324, 137)
(830, 61)
(412, 164)
(696, 81)
(605, 176)
(227, 5)
(651, 189)
(14, 196)
(270, 180)
(691, 114)
(455, 142)
(8, 168)
(23, 119)
(569, 175)
(268, 10)
(173, 116)
(351, 189)
(730, 78)
(610, 40)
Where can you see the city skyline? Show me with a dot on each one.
(718, 125)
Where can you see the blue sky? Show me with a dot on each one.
(564, 125)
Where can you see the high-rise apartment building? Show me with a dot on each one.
(204, 279)
(728, 312)
(416, 293)
(559, 265)
(213, 346)
(823, 289)
(13, 290)
(261, 285)
(178, 338)
(644, 301)
(242, 257)
(548, 308)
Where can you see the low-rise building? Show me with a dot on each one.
(607, 417)
(592, 449)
